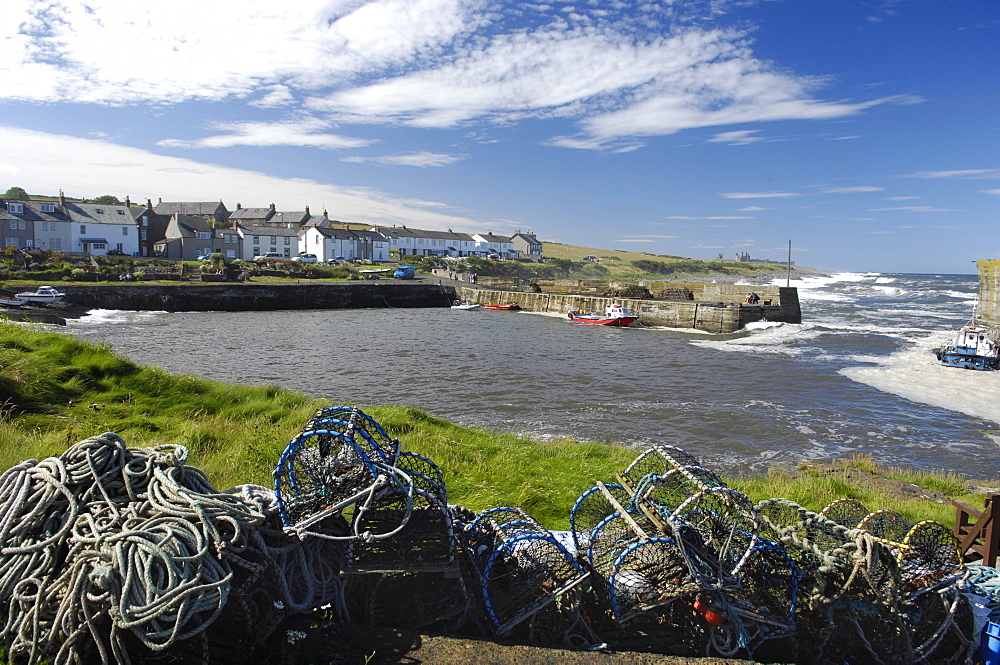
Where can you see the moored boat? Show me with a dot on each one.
(973, 347)
(458, 304)
(509, 307)
(614, 315)
(44, 295)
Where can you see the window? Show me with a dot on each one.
(145, 220)
(15, 208)
(47, 207)
(256, 251)
(230, 253)
(121, 212)
(13, 225)
(124, 230)
(99, 211)
(55, 243)
(288, 241)
(98, 245)
(83, 228)
(11, 242)
(202, 235)
(256, 240)
(120, 247)
(274, 240)
(22, 225)
(142, 234)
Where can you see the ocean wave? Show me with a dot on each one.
(104, 316)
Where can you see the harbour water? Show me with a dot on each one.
(856, 376)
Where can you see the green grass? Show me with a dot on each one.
(56, 390)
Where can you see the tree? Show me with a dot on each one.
(16, 193)
(108, 199)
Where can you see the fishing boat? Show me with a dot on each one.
(972, 348)
(44, 295)
(509, 307)
(458, 304)
(614, 315)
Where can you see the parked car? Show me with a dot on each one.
(305, 258)
(115, 252)
(270, 256)
(405, 272)
(203, 257)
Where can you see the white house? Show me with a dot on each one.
(96, 228)
(421, 242)
(488, 243)
(328, 243)
(260, 240)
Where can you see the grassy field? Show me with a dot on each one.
(56, 390)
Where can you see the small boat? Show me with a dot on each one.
(509, 307)
(44, 295)
(614, 315)
(972, 348)
(8, 299)
(458, 304)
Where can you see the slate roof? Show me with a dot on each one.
(403, 232)
(257, 230)
(206, 209)
(99, 213)
(33, 212)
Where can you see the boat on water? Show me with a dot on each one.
(974, 347)
(509, 307)
(458, 304)
(614, 315)
(44, 295)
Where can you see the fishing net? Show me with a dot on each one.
(519, 565)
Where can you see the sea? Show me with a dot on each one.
(857, 376)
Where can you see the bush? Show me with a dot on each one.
(77, 274)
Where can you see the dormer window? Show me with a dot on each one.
(15, 208)
(121, 212)
(47, 207)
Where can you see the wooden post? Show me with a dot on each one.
(981, 537)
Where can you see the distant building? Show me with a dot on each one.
(527, 245)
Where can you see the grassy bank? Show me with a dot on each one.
(56, 390)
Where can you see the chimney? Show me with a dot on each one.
(161, 199)
(62, 199)
(239, 206)
(128, 202)
(149, 203)
(325, 215)
(272, 207)
(307, 211)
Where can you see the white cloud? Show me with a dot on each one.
(974, 174)
(758, 195)
(303, 132)
(422, 159)
(994, 192)
(910, 209)
(713, 218)
(85, 167)
(902, 198)
(860, 189)
(751, 209)
(737, 137)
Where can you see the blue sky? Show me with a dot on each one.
(866, 133)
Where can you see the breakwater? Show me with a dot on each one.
(989, 293)
(718, 308)
(242, 297)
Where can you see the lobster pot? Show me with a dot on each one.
(927, 552)
(656, 460)
(827, 554)
(370, 439)
(520, 566)
(767, 596)
(646, 574)
(400, 531)
(717, 528)
(339, 455)
(436, 601)
(424, 473)
(592, 508)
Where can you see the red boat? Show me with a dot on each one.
(614, 315)
(494, 305)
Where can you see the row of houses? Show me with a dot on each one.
(187, 230)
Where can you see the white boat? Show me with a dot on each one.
(8, 299)
(615, 315)
(458, 304)
(44, 295)
(972, 348)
